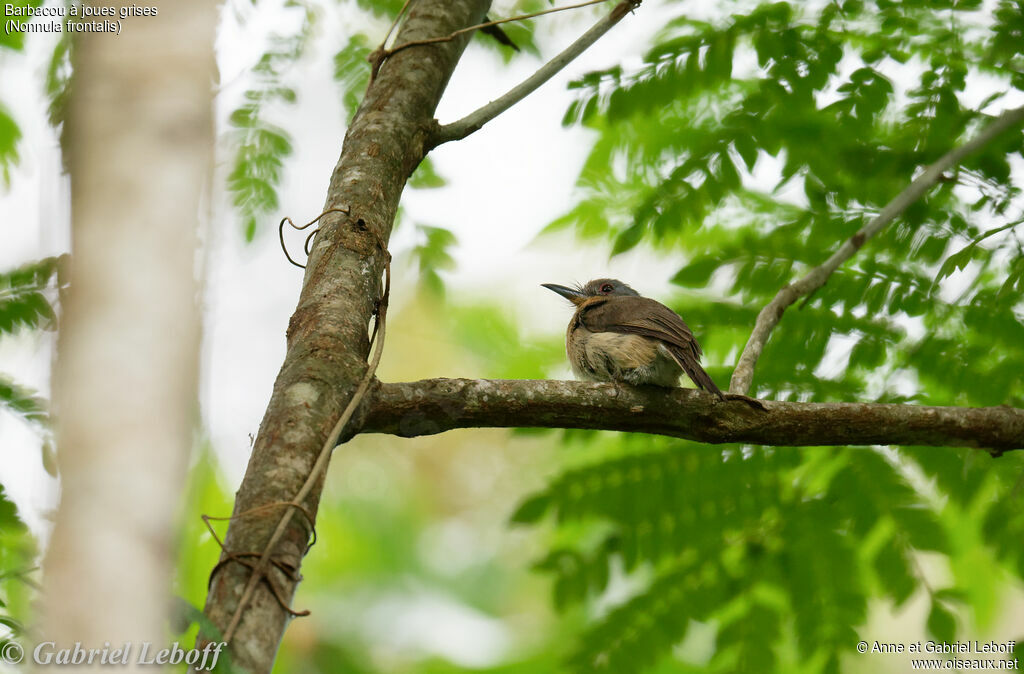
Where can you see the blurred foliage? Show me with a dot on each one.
(28, 296)
(208, 494)
(352, 70)
(58, 87)
(17, 586)
(483, 330)
(10, 134)
(23, 402)
(260, 146)
(15, 39)
(425, 176)
(520, 33)
(752, 147)
(432, 256)
(23, 302)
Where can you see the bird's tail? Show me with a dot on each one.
(691, 366)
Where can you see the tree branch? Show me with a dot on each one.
(475, 120)
(432, 406)
(328, 341)
(816, 278)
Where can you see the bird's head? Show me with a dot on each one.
(596, 288)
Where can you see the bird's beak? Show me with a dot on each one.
(571, 294)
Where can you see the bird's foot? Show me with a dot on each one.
(753, 402)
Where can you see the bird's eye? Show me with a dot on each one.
(607, 288)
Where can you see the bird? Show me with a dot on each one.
(617, 335)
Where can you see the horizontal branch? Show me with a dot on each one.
(770, 315)
(432, 406)
(474, 121)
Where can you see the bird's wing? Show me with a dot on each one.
(639, 316)
(650, 318)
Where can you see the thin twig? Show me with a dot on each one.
(467, 29)
(266, 506)
(476, 119)
(325, 452)
(816, 278)
(993, 232)
(21, 575)
(305, 246)
(381, 53)
(394, 24)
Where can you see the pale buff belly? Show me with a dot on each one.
(613, 356)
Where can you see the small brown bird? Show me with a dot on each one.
(617, 335)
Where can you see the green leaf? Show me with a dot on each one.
(352, 70)
(17, 549)
(50, 459)
(23, 402)
(531, 510)
(941, 623)
(9, 520)
(10, 134)
(895, 573)
(23, 303)
(636, 635)
(15, 39)
(382, 8)
(697, 274)
(628, 238)
(958, 261)
(750, 638)
(26, 310)
(260, 146)
(425, 176)
(923, 529)
(15, 626)
(58, 81)
(747, 149)
(950, 594)
(433, 255)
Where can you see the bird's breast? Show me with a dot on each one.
(615, 356)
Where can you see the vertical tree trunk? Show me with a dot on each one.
(327, 335)
(141, 144)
